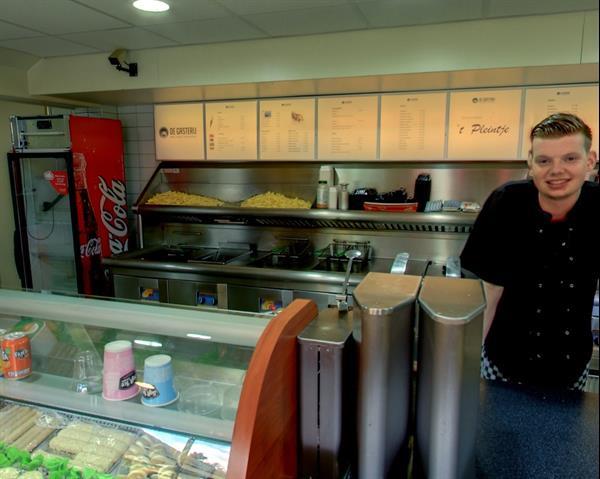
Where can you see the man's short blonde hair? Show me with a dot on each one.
(562, 124)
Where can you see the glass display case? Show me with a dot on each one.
(210, 352)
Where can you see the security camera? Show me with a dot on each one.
(118, 58)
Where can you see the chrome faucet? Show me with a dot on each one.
(342, 299)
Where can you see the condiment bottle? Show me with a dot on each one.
(344, 198)
(322, 192)
(333, 198)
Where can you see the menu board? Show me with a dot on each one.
(484, 125)
(231, 130)
(178, 131)
(542, 102)
(413, 126)
(287, 129)
(347, 128)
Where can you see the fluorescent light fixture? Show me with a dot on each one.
(151, 5)
(199, 336)
(143, 342)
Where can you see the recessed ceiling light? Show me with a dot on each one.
(151, 5)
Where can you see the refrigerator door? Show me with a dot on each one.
(45, 253)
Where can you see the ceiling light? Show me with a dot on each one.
(151, 5)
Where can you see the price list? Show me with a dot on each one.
(542, 102)
(347, 128)
(413, 126)
(231, 130)
(287, 129)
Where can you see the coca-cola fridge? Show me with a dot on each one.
(70, 206)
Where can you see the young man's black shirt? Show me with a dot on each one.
(541, 333)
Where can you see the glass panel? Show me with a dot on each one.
(208, 375)
(49, 228)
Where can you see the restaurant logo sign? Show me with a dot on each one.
(178, 132)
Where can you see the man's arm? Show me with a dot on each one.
(493, 294)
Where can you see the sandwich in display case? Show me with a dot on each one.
(229, 410)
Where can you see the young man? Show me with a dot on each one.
(534, 246)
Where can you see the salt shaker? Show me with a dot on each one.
(333, 198)
(344, 198)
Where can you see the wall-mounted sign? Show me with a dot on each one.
(347, 128)
(542, 102)
(178, 131)
(287, 129)
(231, 130)
(484, 125)
(413, 127)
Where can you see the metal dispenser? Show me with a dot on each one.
(450, 331)
(384, 307)
(327, 392)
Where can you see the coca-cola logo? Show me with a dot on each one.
(113, 213)
(91, 248)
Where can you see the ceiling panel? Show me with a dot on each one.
(390, 13)
(304, 22)
(79, 26)
(208, 31)
(180, 11)
(133, 38)
(501, 8)
(56, 17)
(248, 7)
(11, 31)
(47, 46)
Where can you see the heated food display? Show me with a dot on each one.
(178, 198)
(275, 200)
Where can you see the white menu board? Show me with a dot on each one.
(347, 128)
(178, 131)
(231, 130)
(287, 129)
(542, 102)
(413, 127)
(484, 125)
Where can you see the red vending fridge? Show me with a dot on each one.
(70, 206)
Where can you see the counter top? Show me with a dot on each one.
(526, 433)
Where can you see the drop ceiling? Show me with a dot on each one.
(51, 28)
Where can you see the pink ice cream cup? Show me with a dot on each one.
(119, 376)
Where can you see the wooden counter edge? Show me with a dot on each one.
(265, 434)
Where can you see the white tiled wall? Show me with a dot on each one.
(138, 136)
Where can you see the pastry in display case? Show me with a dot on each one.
(132, 390)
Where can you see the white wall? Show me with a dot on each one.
(497, 43)
(8, 273)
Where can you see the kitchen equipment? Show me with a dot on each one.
(422, 190)
(400, 263)
(342, 300)
(448, 380)
(69, 200)
(360, 195)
